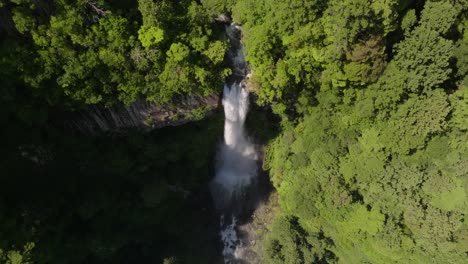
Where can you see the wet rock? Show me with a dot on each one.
(223, 18)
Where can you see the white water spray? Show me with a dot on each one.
(236, 167)
(237, 157)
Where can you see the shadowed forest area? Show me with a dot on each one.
(361, 107)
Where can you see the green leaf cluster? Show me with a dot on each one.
(91, 52)
(379, 171)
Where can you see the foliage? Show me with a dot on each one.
(289, 243)
(293, 45)
(108, 199)
(17, 257)
(370, 165)
(461, 52)
(381, 170)
(95, 52)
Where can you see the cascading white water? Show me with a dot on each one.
(237, 156)
(237, 164)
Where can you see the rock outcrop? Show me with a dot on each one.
(143, 115)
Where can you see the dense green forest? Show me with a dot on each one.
(134, 198)
(370, 164)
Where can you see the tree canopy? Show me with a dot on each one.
(370, 165)
(378, 168)
(97, 52)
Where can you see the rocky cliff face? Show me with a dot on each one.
(143, 115)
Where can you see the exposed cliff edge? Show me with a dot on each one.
(143, 115)
(146, 116)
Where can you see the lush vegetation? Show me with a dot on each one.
(371, 165)
(141, 198)
(70, 198)
(100, 52)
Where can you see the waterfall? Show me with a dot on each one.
(236, 167)
(237, 156)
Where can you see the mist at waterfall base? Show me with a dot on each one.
(236, 167)
(237, 157)
(234, 185)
